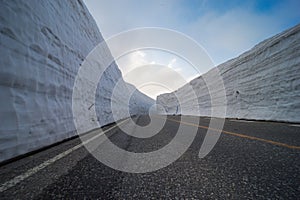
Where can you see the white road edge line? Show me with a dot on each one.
(295, 125)
(245, 121)
(30, 172)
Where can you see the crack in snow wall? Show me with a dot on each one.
(42, 45)
(262, 83)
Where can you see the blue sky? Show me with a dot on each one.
(225, 29)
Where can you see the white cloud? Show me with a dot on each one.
(155, 77)
(223, 34)
(171, 63)
(132, 60)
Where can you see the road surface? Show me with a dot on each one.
(251, 160)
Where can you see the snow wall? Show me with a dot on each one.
(42, 45)
(262, 83)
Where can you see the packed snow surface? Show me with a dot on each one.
(262, 84)
(42, 46)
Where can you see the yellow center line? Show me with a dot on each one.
(239, 135)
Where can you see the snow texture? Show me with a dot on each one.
(262, 84)
(42, 45)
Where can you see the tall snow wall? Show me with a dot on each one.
(262, 83)
(42, 45)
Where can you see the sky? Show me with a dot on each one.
(224, 29)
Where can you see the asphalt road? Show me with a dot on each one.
(251, 160)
